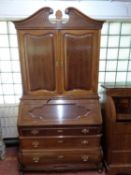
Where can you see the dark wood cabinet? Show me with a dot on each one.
(117, 128)
(59, 119)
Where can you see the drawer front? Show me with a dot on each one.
(61, 167)
(122, 142)
(122, 127)
(121, 157)
(60, 142)
(59, 131)
(61, 156)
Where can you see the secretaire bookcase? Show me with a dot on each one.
(59, 120)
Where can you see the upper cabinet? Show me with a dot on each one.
(59, 57)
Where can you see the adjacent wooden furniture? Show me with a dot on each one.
(117, 128)
(59, 119)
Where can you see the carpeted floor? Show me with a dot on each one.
(9, 166)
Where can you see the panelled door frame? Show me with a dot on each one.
(25, 66)
(94, 64)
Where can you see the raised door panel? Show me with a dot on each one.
(80, 59)
(38, 61)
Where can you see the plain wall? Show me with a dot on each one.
(18, 9)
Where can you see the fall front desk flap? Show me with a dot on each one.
(45, 112)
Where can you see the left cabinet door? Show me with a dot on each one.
(38, 58)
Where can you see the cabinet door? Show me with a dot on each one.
(80, 61)
(38, 59)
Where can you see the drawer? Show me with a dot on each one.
(122, 142)
(61, 156)
(60, 142)
(122, 127)
(61, 167)
(121, 157)
(59, 131)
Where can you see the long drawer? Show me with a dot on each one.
(62, 167)
(34, 131)
(61, 156)
(124, 141)
(59, 142)
(121, 157)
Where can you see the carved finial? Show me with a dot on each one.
(58, 15)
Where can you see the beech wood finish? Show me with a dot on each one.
(59, 119)
(117, 128)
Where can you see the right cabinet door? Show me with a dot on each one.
(79, 57)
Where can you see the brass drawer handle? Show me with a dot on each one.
(35, 144)
(57, 63)
(34, 131)
(85, 131)
(85, 158)
(36, 159)
(60, 157)
(60, 131)
(60, 141)
(84, 142)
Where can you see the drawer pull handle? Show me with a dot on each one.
(84, 142)
(60, 131)
(35, 131)
(60, 141)
(85, 131)
(60, 157)
(36, 159)
(35, 144)
(85, 158)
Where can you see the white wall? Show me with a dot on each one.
(96, 9)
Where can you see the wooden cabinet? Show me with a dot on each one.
(57, 56)
(117, 128)
(59, 119)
